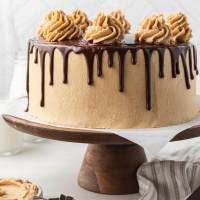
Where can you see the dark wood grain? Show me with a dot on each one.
(81, 135)
(189, 133)
(111, 169)
(110, 162)
(195, 195)
(64, 134)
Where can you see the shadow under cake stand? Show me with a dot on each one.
(110, 163)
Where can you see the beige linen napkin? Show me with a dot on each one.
(172, 175)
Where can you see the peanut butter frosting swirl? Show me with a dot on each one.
(104, 29)
(55, 15)
(58, 26)
(80, 19)
(179, 27)
(117, 14)
(2, 193)
(17, 189)
(153, 30)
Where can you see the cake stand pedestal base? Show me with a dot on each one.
(111, 169)
(110, 163)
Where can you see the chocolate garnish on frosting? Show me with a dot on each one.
(118, 15)
(179, 27)
(80, 19)
(104, 29)
(153, 30)
(58, 26)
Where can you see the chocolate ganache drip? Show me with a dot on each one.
(177, 52)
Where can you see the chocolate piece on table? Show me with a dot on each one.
(195, 195)
(62, 197)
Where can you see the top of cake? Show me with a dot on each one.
(112, 28)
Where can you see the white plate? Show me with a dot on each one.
(146, 137)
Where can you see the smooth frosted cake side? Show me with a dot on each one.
(124, 85)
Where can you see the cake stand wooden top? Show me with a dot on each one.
(64, 134)
(81, 135)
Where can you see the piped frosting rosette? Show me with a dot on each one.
(153, 30)
(179, 27)
(58, 26)
(118, 15)
(80, 19)
(104, 29)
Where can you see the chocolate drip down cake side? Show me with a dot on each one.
(85, 74)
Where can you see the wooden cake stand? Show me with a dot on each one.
(110, 163)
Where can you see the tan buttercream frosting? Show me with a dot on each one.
(153, 30)
(104, 29)
(80, 19)
(58, 26)
(2, 193)
(179, 27)
(11, 189)
(118, 15)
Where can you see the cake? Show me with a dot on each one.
(97, 78)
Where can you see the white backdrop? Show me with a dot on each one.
(19, 20)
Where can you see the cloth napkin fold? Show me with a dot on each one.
(173, 174)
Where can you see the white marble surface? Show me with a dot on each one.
(19, 20)
(54, 166)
